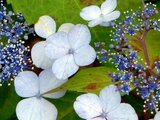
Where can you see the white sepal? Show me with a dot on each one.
(45, 26)
(36, 109)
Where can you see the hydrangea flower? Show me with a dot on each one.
(13, 53)
(33, 88)
(100, 15)
(106, 106)
(70, 50)
(45, 27)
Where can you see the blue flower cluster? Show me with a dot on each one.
(13, 59)
(13, 54)
(12, 26)
(134, 71)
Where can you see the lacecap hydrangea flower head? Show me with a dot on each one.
(128, 40)
(13, 53)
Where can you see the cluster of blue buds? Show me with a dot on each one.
(13, 26)
(133, 70)
(13, 53)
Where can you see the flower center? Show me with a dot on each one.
(102, 15)
(39, 96)
(104, 115)
(70, 51)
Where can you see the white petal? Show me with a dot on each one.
(123, 112)
(97, 118)
(57, 46)
(157, 116)
(66, 27)
(108, 6)
(39, 57)
(110, 98)
(95, 22)
(48, 82)
(105, 24)
(112, 16)
(64, 67)
(26, 84)
(45, 26)
(55, 95)
(79, 35)
(85, 55)
(36, 109)
(88, 106)
(90, 13)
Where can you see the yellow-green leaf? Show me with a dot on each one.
(88, 80)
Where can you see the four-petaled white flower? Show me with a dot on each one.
(70, 50)
(157, 116)
(107, 106)
(34, 88)
(45, 27)
(100, 16)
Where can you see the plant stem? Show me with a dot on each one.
(145, 116)
(143, 2)
(144, 47)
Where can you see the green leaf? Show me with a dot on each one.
(68, 11)
(88, 80)
(153, 45)
(8, 101)
(61, 10)
(65, 106)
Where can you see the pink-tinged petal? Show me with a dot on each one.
(88, 106)
(36, 109)
(90, 13)
(85, 55)
(39, 57)
(26, 84)
(79, 36)
(45, 26)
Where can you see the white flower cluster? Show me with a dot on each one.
(103, 15)
(60, 56)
